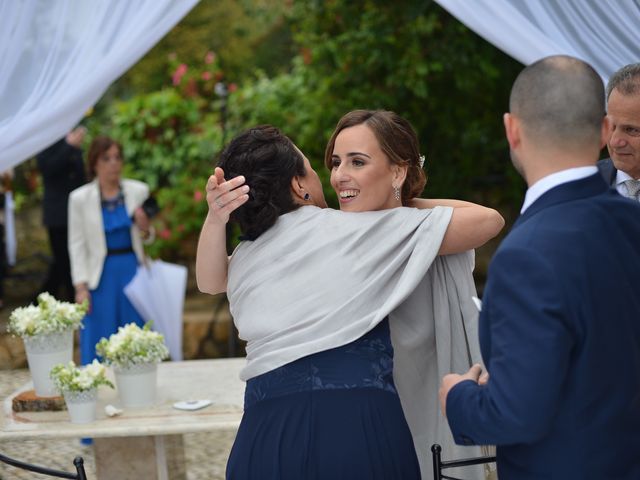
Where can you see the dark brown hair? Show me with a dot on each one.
(99, 145)
(397, 139)
(268, 160)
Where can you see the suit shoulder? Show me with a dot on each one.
(135, 186)
(82, 191)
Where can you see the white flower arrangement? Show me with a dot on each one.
(49, 316)
(69, 378)
(133, 345)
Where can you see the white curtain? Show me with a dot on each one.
(604, 33)
(57, 58)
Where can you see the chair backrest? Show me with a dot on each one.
(439, 464)
(78, 462)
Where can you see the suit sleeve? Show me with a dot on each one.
(530, 345)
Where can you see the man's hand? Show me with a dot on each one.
(76, 136)
(451, 380)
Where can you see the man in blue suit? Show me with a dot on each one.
(560, 323)
(622, 170)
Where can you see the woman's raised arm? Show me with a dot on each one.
(211, 258)
(471, 225)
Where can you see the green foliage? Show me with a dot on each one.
(246, 33)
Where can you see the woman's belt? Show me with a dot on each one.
(119, 251)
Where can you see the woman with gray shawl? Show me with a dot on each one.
(312, 292)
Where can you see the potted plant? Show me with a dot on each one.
(134, 354)
(79, 387)
(47, 332)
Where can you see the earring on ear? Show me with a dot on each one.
(307, 197)
(396, 192)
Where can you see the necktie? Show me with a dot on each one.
(633, 188)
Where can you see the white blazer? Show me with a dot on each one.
(87, 241)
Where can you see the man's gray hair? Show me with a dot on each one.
(626, 80)
(559, 100)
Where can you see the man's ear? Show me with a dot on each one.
(606, 130)
(512, 130)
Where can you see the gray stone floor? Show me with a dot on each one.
(206, 453)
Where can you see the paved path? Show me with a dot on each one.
(206, 453)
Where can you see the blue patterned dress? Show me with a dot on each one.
(328, 416)
(110, 308)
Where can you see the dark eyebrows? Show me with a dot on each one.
(352, 154)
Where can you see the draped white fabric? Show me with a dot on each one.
(605, 33)
(57, 57)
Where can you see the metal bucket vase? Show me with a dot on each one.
(43, 353)
(81, 405)
(137, 385)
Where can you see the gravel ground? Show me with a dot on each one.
(206, 453)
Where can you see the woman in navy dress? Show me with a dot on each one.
(106, 228)
(320, 401)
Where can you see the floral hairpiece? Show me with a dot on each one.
(421, 161)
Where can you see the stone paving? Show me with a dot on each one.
(205, 453)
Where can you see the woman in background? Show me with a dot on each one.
(107, 227)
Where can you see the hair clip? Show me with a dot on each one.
(421, 161)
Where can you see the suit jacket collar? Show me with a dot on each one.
(577, 189)
(608, 171)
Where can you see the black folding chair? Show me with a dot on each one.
(78, 462)
(439, 464)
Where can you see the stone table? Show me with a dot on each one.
(146, 442)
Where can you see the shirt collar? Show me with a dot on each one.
(545, 184)
(622, 177)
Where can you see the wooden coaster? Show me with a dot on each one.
(29, 402)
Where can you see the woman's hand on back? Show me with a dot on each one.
(223, 197)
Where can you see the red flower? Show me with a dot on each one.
(165, 234)
(197, 196)
(209, 57)
(232, 87)
(206, 76)
(179, 73)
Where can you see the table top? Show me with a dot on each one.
(216, 380)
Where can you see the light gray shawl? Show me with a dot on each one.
(321, 278)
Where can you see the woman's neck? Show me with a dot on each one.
(109, 189)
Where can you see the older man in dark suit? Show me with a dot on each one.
(622, 170)
(560, 324)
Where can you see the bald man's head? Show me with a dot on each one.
(560, 102)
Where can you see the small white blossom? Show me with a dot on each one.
(49, 316)
(133, 345)
(69, 378)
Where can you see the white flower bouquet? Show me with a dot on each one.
(70, 378)
(49, 316)
(133, 345)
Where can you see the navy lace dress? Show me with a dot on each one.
(332, 415)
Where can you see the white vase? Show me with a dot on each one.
(43, 353)
(81, 405)
(137, 384)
